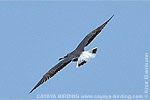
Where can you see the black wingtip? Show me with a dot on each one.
(31, 91)
(111, 16)
(109, 19)
(99, 29)
(39, 83)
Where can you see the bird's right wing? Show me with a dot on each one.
(88, 39)
(52, 72)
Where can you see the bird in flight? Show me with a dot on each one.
(79, 55)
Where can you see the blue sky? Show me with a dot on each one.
(34, 35)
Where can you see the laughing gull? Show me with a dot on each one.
(79, 55)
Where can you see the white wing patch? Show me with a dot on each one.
(85, 57)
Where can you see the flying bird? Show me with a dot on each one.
(79, 55)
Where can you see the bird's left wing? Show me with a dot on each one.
(52, 72)
(89, 38)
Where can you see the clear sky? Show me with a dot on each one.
(34, 35)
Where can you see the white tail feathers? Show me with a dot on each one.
(86, 56)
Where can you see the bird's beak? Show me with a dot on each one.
(60, 58)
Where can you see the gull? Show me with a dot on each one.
(79, 55)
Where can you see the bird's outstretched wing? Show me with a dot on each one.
(52, 72)
(88, 39)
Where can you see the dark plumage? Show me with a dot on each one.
(73, 56)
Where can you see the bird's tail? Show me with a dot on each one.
(86, 56)
(93, 51)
